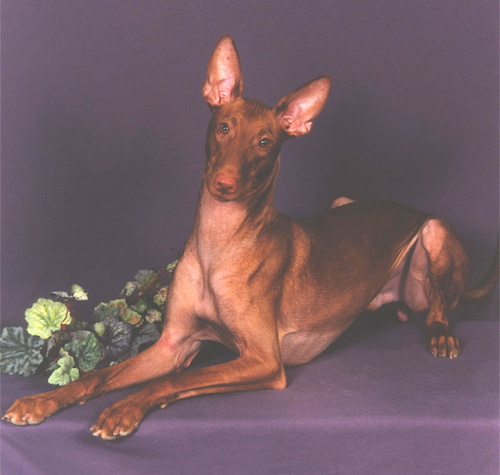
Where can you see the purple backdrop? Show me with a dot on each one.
(103, 125)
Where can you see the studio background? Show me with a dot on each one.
(102, 152)
(103, 124)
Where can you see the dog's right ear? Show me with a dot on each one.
(224, 82)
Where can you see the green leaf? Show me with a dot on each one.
(57, 341)
(45, 317)
(65, 373)
(131, 317)
(78, 292)
(171, 267)
(78, 325)
(117, 308)
(147, 335)
(130, 288)
(113, 308)
(20, 352)
(117, 336)
(140, 306)
(99, 328)
(62, 295)
(144, 277)
(161, 297)
(87, 351)
(154, 315)
(101, 312)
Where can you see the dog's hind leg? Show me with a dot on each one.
(435, 281)
(341, 201)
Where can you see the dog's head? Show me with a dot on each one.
(245, 136)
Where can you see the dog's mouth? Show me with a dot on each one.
(221, 196)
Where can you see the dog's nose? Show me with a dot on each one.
(225, 184)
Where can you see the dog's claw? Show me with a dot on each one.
(31, 410)
(118, 420)
(442, 343)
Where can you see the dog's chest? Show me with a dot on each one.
(208, 295)
(302, 346)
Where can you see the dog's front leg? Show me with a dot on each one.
(243, 374)
(253, 369)
(166, 356)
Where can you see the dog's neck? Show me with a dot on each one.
(218, 221)
(221, 225)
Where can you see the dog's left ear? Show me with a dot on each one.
(224, 81)
(297, 111)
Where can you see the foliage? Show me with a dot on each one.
(66, 371)
(147, 335)
(117, 308)
(78, 292)
(117, 337)
(87, 351)
(161, 297)
(58, 342)
(45, 317)
(20, 352)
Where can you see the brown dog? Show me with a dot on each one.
(276, 290)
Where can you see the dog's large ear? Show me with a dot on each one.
(224, 82)
(297, 111)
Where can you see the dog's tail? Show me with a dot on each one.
(486, 285)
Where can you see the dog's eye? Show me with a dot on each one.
(224, 127)
(265, 143)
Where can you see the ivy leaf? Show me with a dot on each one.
(62, 295)
(140, 306)
(45, 317)
(77, 325)
(87, 351)
(117, 336)
(171, 267)
(147, 335)
(99, 328)
(117, 308)
(65, 373)
(154, 315)
(102, 311)
(161, 297)
(59, 339)
(129, 288)
(78, 292)
(20, 352)
(144, 277)
(131, 317)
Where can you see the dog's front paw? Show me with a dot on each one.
(442, 342)
(31, 409)
(119, 420)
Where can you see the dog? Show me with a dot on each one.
(277, 291)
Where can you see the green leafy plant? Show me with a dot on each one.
(117, 337)
(58, 342)
(78, 292)
(66, 371)
(45, 317)
(20, 352)
(87, 351)
(120, 309)
(147, 335)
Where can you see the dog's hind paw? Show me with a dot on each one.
(442, 342)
